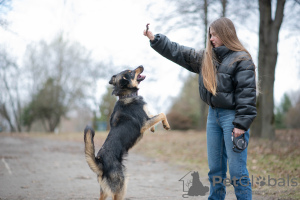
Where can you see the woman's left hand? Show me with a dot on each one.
(237, 132)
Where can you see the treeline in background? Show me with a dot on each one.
(53, 87)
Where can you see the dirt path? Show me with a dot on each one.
(33, 168)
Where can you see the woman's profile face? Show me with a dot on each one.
(214, 39)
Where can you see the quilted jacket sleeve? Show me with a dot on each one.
(245, 94)
(184, 56)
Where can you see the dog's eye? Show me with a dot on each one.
(126, 76)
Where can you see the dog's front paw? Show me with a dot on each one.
(166, 125)
(152, 129)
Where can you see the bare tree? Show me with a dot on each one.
(107, 106)
(293, 115)
(269, 27)
(270, 23)
(192, 15)
(7, 66)
(62, 74)
(10, 104)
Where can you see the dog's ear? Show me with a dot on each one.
(124, 81)
(112, 80)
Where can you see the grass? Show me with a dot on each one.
(275, 158)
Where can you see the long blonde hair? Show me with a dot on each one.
(225, 31)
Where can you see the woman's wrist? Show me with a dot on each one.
(151, 38)
(154, 39)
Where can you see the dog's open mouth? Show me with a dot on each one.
(140, 78)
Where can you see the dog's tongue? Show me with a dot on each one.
(141, 77)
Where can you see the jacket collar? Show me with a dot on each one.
(221, 52)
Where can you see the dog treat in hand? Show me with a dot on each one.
(147, 27)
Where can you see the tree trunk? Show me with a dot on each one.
(205, 20)
(224, 5)
(17, 127)
(264, 125)
(5, 115)
(203, 105)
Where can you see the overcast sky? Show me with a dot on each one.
(112, 30)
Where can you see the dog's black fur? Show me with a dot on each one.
(129, 121)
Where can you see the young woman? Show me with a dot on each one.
(227, 84)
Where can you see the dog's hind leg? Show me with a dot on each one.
(154, 120)
(103, 195)
(120, 195)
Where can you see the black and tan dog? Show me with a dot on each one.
(129, 121)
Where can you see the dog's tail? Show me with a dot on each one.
(89, 149)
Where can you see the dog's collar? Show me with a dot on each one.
(135, 94)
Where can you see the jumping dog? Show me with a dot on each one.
(128, 122)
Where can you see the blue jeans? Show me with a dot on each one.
(219, 151)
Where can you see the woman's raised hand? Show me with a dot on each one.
(148, 33)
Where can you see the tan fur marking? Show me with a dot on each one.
(121, 194)
(103, 196)
(106, 191)
(115, 119)
(105, 187)
(90, 154)
(145, 108)
(152, 129)
(134, 81)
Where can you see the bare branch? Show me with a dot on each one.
(224, 4)
(279, 14)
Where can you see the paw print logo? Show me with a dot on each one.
(261, 181)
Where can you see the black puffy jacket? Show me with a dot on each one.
(236, 87)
